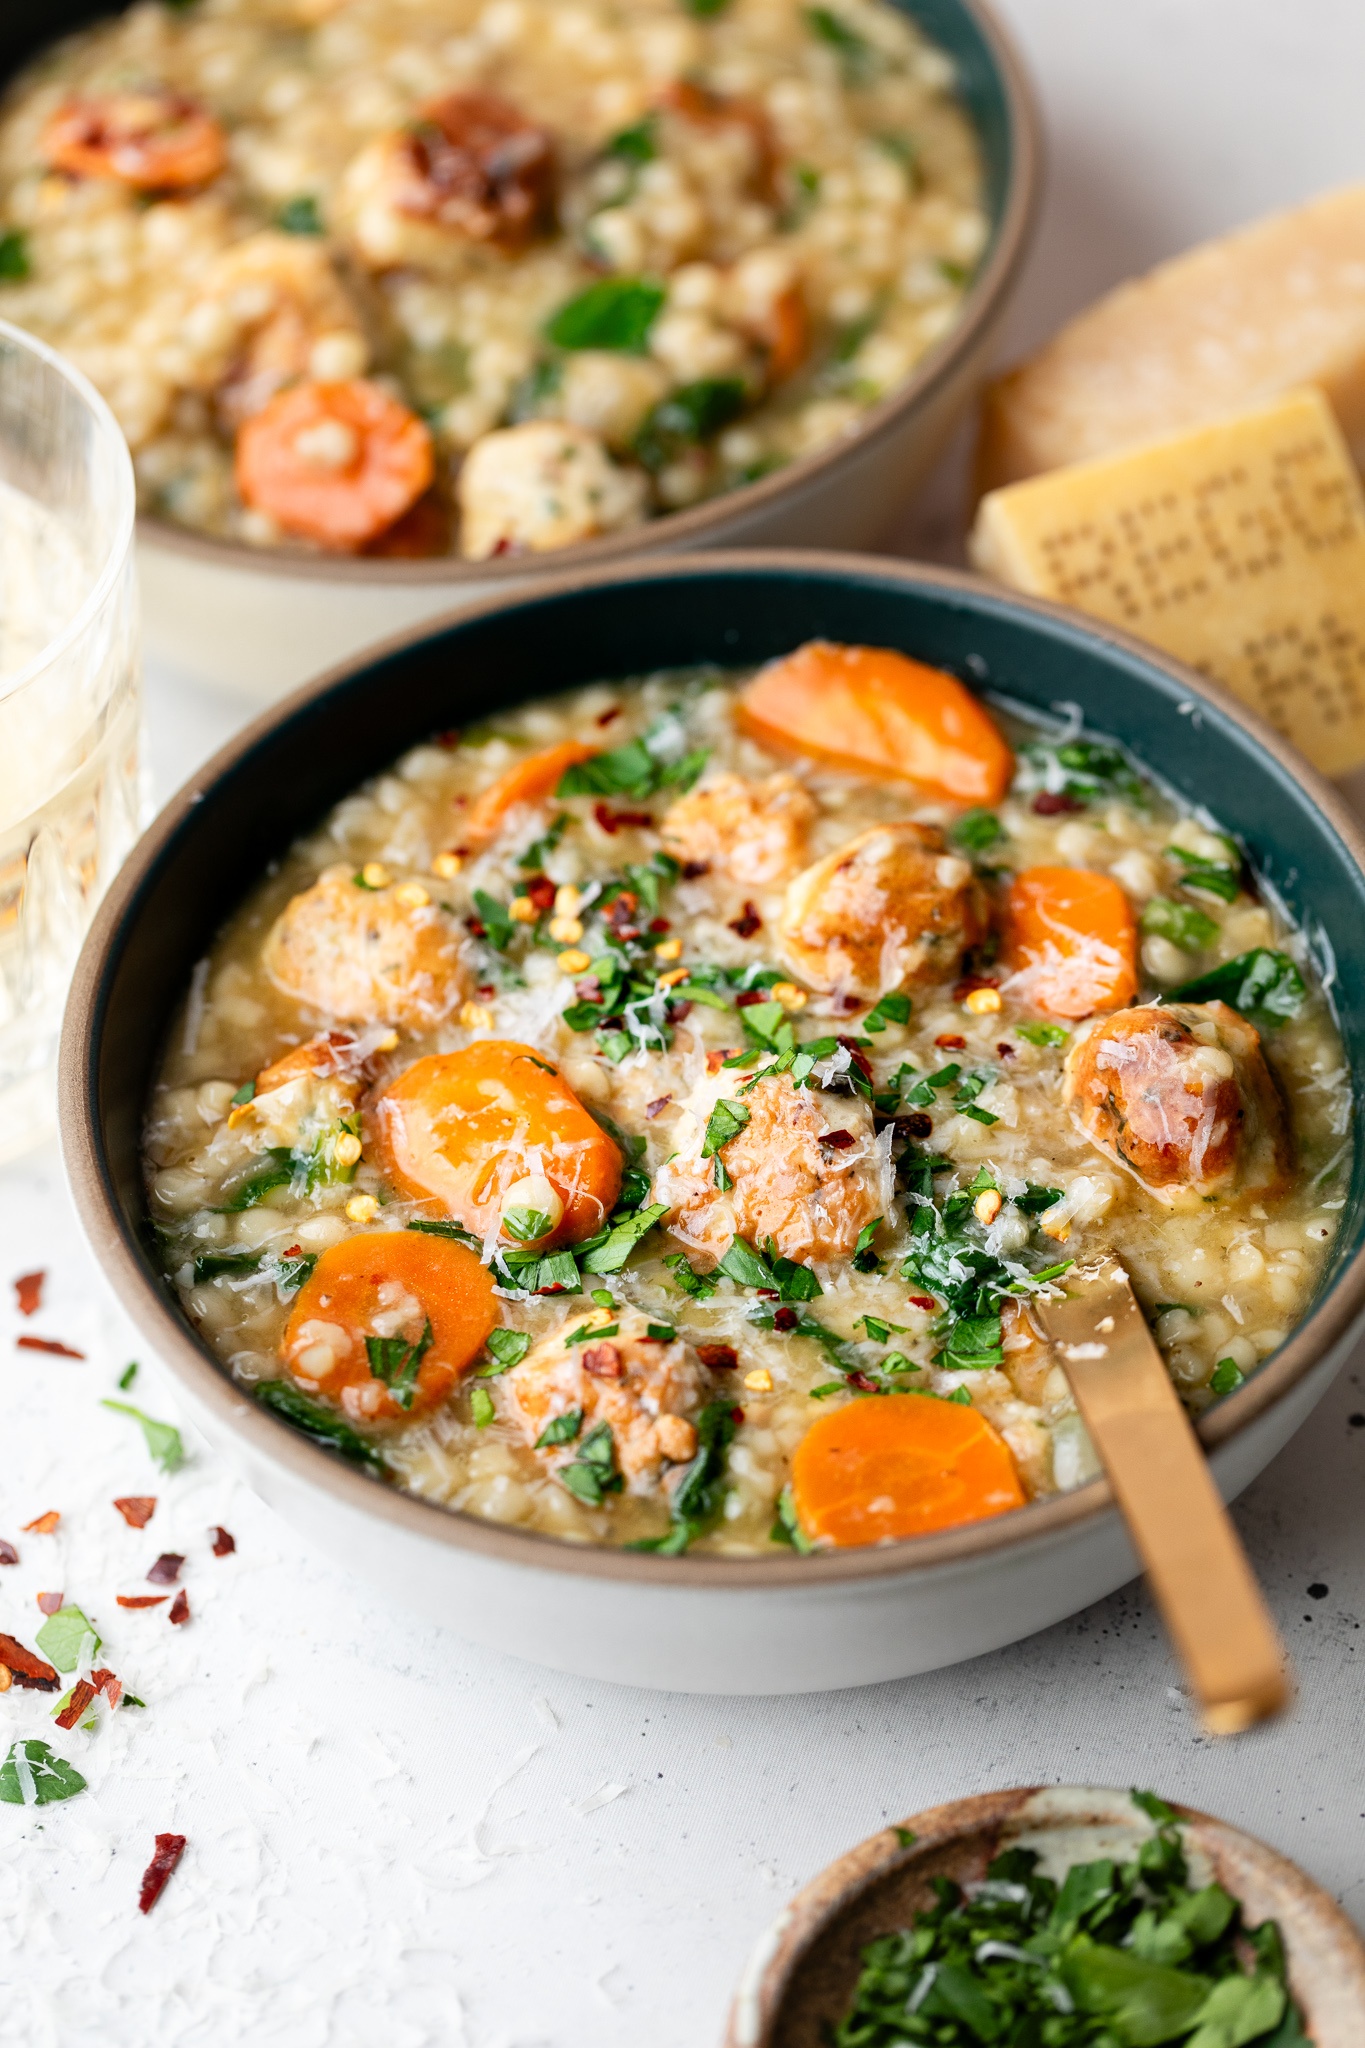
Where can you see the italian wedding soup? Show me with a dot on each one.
(482, 277)
(651, 1117)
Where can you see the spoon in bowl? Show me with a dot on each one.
(1193, 1557)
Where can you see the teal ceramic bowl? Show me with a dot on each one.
(778, 1624)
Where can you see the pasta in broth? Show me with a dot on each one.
(647, 1118)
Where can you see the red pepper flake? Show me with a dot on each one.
(8, 1553)
(43, 1525)
(747, 997)
(837, 1141)
(50, 1602)
(736, 1416)
(919, 1124)
(25, 1668)
(612, 821)
(29, 1290)
(541, 891)
(81, 1695)
(747, 923)
(719, 1357)
(863, 1383)
(849, 1004)
(660, 925)
(476, 927)
(50, 1344)
(606, 717)
(924, 1301)
(169, 1850)
(715, 1060)
(137, 1509)
(223, 1544)
(166, 1570)
(1005, 1050)
(1050, 803)
(785, 1318)
(180, 1607)
(657, 1106)
(951, 1041)
(857, 1055)
(141, 1599)
(603, 1362)
(104, 1681)
(693, 870)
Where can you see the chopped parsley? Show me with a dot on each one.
(162, 1438)
(697, 1495)
(1086, 771)
(1119, 1955)
(977, 832)
(1190, 929)
(15, 263)
(948, 1259)
(639, 769)
(692, 414)
(614, 313)
(506, 1348)
(700, 1286)
(1043, 1034)
(321, 1425)
(33, 1775)
(68, 1638)
(786, 1526)
(397, 1362)
(300, 216)
(561, 1430)
(481, 1409)
(891, 1009)
(592, 1474)
(1227, 1376)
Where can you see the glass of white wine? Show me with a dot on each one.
(70, 702)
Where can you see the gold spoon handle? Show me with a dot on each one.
(1194, 1560)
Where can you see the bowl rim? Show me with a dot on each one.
(276, 1444)
(803, 1922)
(695, 525)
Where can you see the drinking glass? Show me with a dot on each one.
(70, 702)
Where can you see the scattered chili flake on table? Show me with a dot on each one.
(141, 1599)
(169, 1850)
(52, 1344)
(166, 1570)
(8, 1553)
(43, 1525)
(180, 1607)
(104, 1681)
(28, 1289)
(137, 1509)
(81, 1695)
(223, 1543)
(26, 1668)
(50, 1602)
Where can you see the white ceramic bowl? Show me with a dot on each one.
(710, 1624)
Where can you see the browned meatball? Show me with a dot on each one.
(1181, 1094)
(750, 832)
(805, 1170)
(364, 955)
(893, 909)
(645, 1388)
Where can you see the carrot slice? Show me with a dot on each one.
(529, 782)
(424, 1303)
(1071, 942)
(154, 140)
(334, 463)
(900, 1465)
(875, 710)
(495, 1135)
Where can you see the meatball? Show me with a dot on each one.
(754, 832)
(1181, 1095)
(542, 485)
(893, 909)
(365, 955)
(805, 1170)
(643, 1388)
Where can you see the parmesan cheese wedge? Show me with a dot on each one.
(1238, 547)
(1231, 324)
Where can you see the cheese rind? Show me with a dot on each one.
(1238, 547)
(1231, 324)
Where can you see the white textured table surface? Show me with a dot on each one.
(395, 1836)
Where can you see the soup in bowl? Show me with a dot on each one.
(640, 1119)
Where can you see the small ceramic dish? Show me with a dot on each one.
(704, 1623)
(260, 621)
(802, 1974)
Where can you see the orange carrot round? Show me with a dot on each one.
(483, 1131)
(528, 782)
(895, 1465)
(334, 463)
(1071, 942)
(150, 138)
(425, 1304)
(874, 710)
